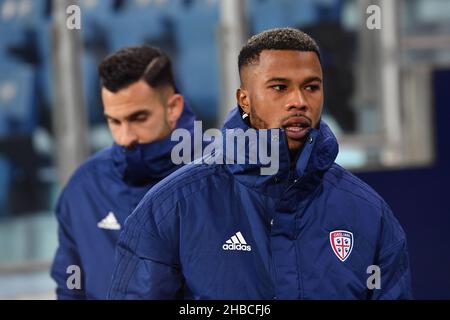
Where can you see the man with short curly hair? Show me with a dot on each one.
(312, 230)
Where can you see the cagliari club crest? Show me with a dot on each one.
(342, 243)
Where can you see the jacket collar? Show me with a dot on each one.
(316, 157)
(150, 162)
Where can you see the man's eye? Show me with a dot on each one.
(113, 121)
(312, 87)
(141, 118)
(279, 87)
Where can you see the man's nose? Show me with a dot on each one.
(127, 138)
(296, 100)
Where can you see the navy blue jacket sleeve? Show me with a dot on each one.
(393, 261)
(147, 264)
(66, 255)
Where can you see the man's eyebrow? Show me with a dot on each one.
(137, 114)
(312, 79)
(107, 116)
(129, 117)
(277, 79)
(285, 80)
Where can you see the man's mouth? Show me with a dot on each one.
(297, 127)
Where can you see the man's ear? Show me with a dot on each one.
(242, 99)
(175, 106)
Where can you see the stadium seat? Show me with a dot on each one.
(24, 25)
(267, 14)
(5, 177)
(17, 98)
(196, 23)
(91, 88)
(198, 76)
(136, 27)
(155, 5)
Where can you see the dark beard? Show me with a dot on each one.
(255, 121)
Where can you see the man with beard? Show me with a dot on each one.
(142, 108)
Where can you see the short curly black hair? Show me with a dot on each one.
(276, 39)
(131, 64)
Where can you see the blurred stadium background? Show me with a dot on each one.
(387, 99)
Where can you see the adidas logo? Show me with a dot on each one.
(237, 242)
(109, 222)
